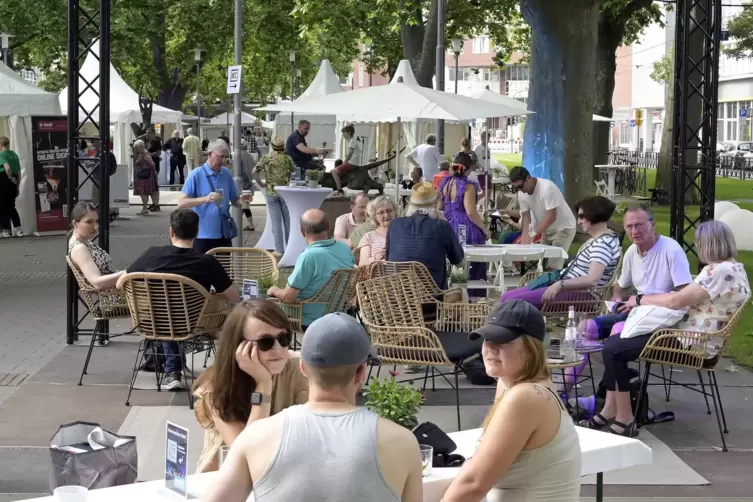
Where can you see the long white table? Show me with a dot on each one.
(611, 176)
(299, 200)
(507, 254)
(600, 453)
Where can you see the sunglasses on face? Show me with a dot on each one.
(267, 343)
(581, 216)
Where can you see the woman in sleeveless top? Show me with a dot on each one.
(458, 201)
(93, 261)
(252, 357)
(529, 450)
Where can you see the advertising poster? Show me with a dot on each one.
(50, 154)
(250, 289)
(176, 459)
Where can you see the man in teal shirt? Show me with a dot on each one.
(10, 175)
(322, 257)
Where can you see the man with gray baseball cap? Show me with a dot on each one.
(283, 457)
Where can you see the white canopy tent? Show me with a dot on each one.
(19, 100)
(124, 107)
(223, 118)
(495, 97)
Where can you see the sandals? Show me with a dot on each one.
(591, 423)
(628, 430)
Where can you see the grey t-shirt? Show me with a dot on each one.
(663, 268)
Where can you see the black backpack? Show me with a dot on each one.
(476, 373)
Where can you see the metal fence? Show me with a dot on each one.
(726, 166)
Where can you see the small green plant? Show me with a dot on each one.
(459, 276)
(394, 401)
(314, 175)
(265, 283)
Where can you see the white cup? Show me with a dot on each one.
(71, 493)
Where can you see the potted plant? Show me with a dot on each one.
(264, 284)
(314, 177)
(394, 401)
(459, 277)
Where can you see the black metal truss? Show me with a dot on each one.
(86, 25)
(696, 80)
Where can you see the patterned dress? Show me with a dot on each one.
(144, 186)
(101, 258)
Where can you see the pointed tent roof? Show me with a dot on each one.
(404, 70)
(19, 97)
(222, 118)
(325, 82)
(124, 101)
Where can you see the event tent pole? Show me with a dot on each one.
(397, 164)
(237, 123)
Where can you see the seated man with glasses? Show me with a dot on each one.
(209, 191)
(181, 258)
(542, 202)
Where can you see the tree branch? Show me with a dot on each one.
(634, 6)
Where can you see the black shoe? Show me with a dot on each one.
(173, 381)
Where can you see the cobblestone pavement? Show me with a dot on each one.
(32, 289)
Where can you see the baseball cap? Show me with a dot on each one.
(336, 340)
(511, 320)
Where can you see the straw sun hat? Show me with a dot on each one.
(423, 194)
(277, 143)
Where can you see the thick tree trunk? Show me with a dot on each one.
(606, 66)
(559, 136)
(420, 44)
(666, 160)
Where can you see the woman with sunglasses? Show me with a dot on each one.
(254, 376)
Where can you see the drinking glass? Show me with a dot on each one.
(427, 458)
(70, 494)
(224, 450)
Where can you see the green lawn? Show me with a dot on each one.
(741, 345)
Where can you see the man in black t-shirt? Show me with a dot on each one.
(181, 259)
(300, 152)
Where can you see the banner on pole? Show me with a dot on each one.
(49, 136)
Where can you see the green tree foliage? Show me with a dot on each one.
(662, 70)
(741, 32)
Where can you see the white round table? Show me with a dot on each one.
(267, 239)
(299, 200)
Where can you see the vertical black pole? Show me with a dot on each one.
(440, 68)
(104, 125)
(71, 177)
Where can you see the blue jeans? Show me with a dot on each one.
(280, 221)
(173, 364)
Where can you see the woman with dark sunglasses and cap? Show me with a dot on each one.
(529, 449)
(254, 376)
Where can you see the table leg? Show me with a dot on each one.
(599, 487)
(591, 373)
(610, 183)
(267, 240)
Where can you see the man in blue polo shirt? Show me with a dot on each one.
(299, 151)
(209, 191)
(313, 268)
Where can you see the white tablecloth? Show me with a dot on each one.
(299, 200)
(600, 452)
(507, 254)
(267, 239)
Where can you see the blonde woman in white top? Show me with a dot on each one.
(529, 450)
(373, 244)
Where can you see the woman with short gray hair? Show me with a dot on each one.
(719, 291)
(372, 246)
(144, 175)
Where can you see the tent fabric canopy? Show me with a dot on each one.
(223, 118)
(19, 97)
(495, 97)
(324, 84)
(124, 101)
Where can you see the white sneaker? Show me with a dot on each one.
(4, 234)
(18, 233)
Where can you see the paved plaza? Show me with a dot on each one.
(39, 373)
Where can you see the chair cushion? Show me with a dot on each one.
(457, 346)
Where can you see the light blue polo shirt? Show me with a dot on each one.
(198, 185)
(314, 267)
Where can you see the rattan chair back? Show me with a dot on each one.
(247, 263)
(102, 305)
(171, 307)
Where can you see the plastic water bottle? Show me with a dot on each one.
(567, 347)
(462, 235)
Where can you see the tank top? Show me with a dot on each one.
(547, 473)
(325, 457)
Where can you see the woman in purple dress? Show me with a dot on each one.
(459, 201)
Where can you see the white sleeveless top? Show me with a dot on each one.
(548, 473)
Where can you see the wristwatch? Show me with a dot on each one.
(638, 299)
(258, 398)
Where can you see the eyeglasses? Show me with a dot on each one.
(267, 343)
(384, 212)
(517, 188)
(581, 216)
(221, 157)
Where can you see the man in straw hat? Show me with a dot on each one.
(276, 168)
(424, 236)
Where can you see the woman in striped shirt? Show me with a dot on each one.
(372, 245)
(595, 263)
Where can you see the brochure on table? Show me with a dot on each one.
(176, 459)
(250, 289)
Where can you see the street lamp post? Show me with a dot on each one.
(367, 50)
(292, 87)
(440, 68)
(197, 59)
(298, 74)
(457, 46)
(5, 48)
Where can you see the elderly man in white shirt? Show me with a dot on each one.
(427, 157)
(543, 201)
(482, 151)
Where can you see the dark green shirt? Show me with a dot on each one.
(9, 157)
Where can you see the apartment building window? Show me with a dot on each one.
(626, 134)
(490, 75)
(481, 45)
(517, 72)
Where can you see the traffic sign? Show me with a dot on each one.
(639, 122)
(631, 123)
(638, 115)
(743, 112)
(234, 79)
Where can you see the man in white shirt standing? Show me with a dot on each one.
(543, 200)
(427, 157)
(482, 151)
(192, 150)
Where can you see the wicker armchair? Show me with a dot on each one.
(421, 273)
(391, 309)
(687, 349)
(172, 308)
(333, 297)
(102, 305)
(247, 263)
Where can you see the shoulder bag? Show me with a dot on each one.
(227, 224)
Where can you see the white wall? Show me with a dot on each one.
(652, 47)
